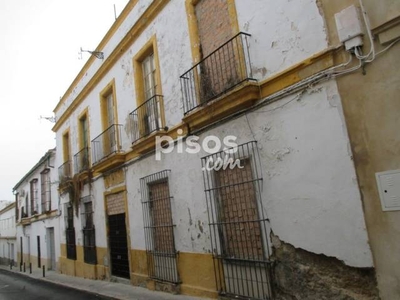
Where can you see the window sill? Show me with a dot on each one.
(109, 163)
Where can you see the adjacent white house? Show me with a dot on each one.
(8, 245)
(37, 219)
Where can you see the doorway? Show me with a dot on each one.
(117, 235)
(51, 249)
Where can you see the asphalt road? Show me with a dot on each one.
(14, 286)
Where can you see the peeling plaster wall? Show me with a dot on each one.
(310, 190)
(284, 33)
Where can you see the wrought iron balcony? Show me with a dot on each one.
(81, 160)
(222, 70)
(64, 172)
(107, 143)
(146, 118)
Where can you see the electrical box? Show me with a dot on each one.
(349, 27)
(389, 189)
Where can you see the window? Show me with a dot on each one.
(84, 131)
(108, 142)
(149, 78)
(108, 106)
(81, 159)
(45, 189)
(64, 171)
(25, 210)
(236, 201)
(70, 231)
(238, 224)
(149, 115)
(34, 197)
(89, 240)
(66, 147)
(159, 227)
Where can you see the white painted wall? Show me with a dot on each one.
(283, 33)
(7, 235)
(39, 227)
(310, 190)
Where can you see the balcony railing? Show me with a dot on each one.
(81, 160)
(64, 172)
(146, 118)
(220, 71)
(107, 143)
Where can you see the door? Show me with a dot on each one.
(29, 250)
(118, 245)
(21, 261)
(12, 254)
(51, 248)
(38, 252)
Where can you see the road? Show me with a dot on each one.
(14, 286)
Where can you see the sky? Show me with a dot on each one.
(39, 45)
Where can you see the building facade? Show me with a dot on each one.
(37, 215)
(204, 149)
(8, 253)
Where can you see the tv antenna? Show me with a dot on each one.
(97, 54)
(50, 119)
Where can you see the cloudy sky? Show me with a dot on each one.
(40, 41)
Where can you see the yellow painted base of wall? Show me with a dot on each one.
(196, 271)
(79, 268)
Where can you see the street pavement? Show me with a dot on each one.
(15, 284)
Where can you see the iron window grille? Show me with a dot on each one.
(70, 231)
(217, 73)
(34, 197)
(238, 223)
(45, 190)
(106, 143)
(146, 119)
(81, 160)
(159, 227)
(89, 234)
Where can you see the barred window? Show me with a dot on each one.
(34, 197)
(236, 202)
(45, 186)
(89, 237)
(159, 227)
(70, 231)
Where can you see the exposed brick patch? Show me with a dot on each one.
(213, 24)
(299, 274)
(115, 204)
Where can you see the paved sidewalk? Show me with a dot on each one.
(101, 287)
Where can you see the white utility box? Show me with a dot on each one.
(389, 189)
(349, 27)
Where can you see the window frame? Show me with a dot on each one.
(150, 48)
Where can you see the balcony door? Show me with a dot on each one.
(110, 135)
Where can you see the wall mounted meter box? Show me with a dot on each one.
(389, 189)
(349, 27)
